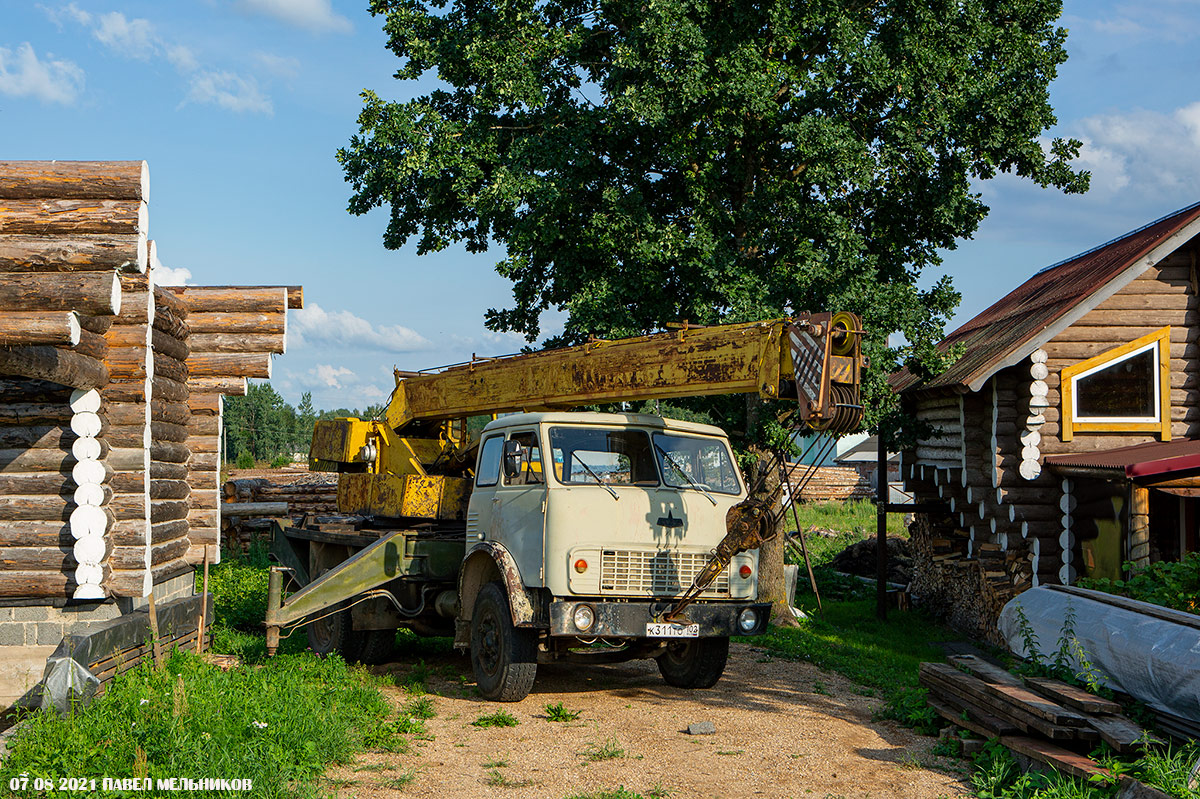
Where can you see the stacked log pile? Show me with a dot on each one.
(1043, 719)
(234, 332)
(831, 484)
(102, 400)
(247, 501)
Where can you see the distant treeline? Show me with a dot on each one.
(261, 426)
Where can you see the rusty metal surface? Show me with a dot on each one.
(485, 560)
(1037, 303)
(1140, 460)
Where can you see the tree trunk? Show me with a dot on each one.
(771, 584)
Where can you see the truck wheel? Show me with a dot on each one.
(503, 657)
(335, 633)
(377, 646)
(696, 663)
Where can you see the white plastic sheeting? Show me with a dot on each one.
(1149, 657)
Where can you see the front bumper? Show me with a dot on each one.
(629, 619)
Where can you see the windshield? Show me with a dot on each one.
(583, 455)
(705, 462)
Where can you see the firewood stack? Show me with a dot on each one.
(313, 494)
(1046, 720)
(96, 384)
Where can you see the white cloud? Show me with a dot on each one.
(166, 276)
(23, 74)
(182, 58)
(332, 375)
(313, 325)
(281, 66)
(132, 38)
(229, 91)
(1143, 152)
(313, 15)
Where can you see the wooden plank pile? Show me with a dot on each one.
(1046, 720)
(832, 484)
(109, 416)
(247, 501)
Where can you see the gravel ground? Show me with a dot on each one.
(783, 729)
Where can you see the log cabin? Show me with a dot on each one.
(1064, 439)
(110, 405)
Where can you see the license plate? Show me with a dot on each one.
(659, 629)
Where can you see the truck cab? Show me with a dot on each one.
(581, 531)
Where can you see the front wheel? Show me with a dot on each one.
(503, 657)
(695, 663)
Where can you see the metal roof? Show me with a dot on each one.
(1140, 460)
(1035, 311)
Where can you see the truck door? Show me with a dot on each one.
(487, 479)
(518, 512)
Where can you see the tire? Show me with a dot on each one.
(377, 646)
(503, 657)
(335, 634)
(696, 663)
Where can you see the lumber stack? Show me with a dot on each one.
(1043, 719)
(247, 501)
(831, 483)
(234, 332)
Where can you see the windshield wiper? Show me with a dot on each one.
(599, 482)
(684, 475)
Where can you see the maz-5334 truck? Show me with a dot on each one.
(553, 534)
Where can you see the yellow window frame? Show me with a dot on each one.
(1162, 338)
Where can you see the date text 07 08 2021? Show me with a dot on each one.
(24, 782)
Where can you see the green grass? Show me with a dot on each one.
(403, 779)
(856, 518)
(558, 712)
(279, 724)
(609, 750)
(621, 792)
(501, 718)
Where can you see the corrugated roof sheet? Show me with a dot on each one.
(1039, 302)
(1140, 460)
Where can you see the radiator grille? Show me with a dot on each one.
(655, 572)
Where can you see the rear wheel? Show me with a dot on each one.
(503, 657)
(377, 646)
(335, 633)
(694, 663)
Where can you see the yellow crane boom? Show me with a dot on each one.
(410, 463)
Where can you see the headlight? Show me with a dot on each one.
(585, 618)
(747, 620)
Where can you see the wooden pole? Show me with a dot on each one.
(154, 631)
(881, 553)
(203, 606)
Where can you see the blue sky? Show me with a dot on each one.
(240, 105)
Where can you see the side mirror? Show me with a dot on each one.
(514, 454)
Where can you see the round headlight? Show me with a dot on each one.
(747, 620)
(585, 618)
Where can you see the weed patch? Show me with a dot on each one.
(559, 712)
(609, 750)
(501, 718)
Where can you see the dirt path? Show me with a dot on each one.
(783, 729)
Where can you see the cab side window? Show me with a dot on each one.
(489, 461)
(531, 465)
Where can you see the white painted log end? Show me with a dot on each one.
(1030, 438)
(89, 494)
(86, 449)
(1067, 503)
(89, 574)
(1066, 575)
(85, 400)
(88, 591)
(1039, 371)
(89, 471)
(90, 549)
(1039, 356)
(88, 520)
(1030, 453)
(1066, 540)
(1038, 388)
(86, 424)
(1030, 469)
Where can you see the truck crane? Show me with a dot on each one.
(554, 534)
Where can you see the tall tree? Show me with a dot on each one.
(647, 161)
